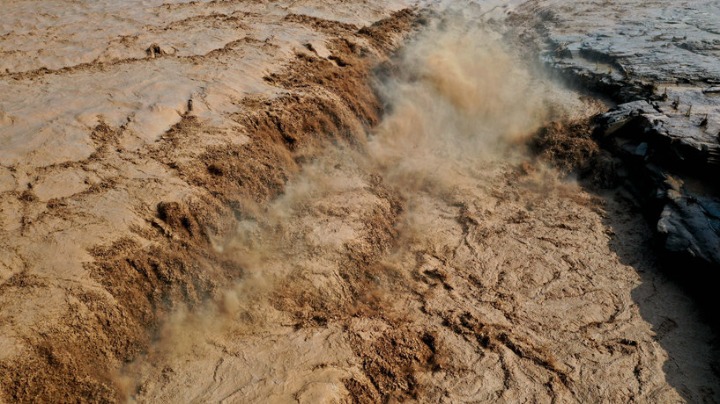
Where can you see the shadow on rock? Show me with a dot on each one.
(671, 295)
(678, 314)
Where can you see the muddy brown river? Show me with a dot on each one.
(317, 202)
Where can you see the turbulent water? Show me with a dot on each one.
(338, 204)
(436, 259)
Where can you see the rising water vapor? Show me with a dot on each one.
(458, 102)
(460, 96)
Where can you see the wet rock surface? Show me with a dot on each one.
(661, 61)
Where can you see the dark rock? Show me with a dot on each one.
(661, 63)
(687, 217)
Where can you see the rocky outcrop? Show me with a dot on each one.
(660, 63)
(671, 174)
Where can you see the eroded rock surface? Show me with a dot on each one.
(663, 59)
